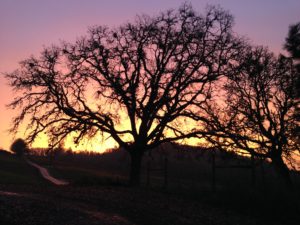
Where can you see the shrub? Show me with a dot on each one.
(19, 147)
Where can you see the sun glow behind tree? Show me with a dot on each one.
(103, 142)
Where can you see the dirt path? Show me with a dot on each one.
(45, 174)
(8, 193)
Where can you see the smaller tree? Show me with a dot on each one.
(292, 42)
(19, 147)
(292, 45)
(258, 116)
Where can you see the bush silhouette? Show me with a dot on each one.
(19, 147)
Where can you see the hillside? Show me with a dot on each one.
(98, 193)
(182, 166)
(14, 170)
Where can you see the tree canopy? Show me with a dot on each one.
(292, 41)
(258, 116)
(19, 147)
(292, 45)
(152, 74)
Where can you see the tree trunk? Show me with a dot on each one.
(135, 167)
(282, 171)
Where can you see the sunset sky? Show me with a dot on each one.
(28, 25)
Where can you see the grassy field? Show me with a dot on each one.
(186, 168)
(98, 193)
(14, 170)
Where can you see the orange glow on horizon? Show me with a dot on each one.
(99, 144)
(102, 143)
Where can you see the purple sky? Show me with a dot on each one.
(28, 25)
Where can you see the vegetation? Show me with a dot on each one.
(152, 74)
(148, 85)
(258, 116)
(292, 45)
(188, 168)
(159, 80)
(16, 171)
(292, 41)
(19, 147)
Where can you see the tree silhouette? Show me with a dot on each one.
(292, 42)
(292, 45)
(19, 147)
(152, 74)
(258, 116)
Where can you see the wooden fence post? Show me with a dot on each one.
(166, 173)
(263, 173)
(148, 173)
(253, 175)
(213, 160)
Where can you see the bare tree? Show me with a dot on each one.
(258, 116)
(151, 73)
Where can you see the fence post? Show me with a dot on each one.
(213, 160)
(253, 175)
(148, 173)
(263, 173)
(166, 173)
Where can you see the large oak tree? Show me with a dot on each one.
(153, 73)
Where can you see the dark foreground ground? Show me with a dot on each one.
(122, 205)
(25, 198)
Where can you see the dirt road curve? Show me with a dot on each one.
(44, 172)
(8, 193)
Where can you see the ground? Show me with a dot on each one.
(113, 205)
(25, 198)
